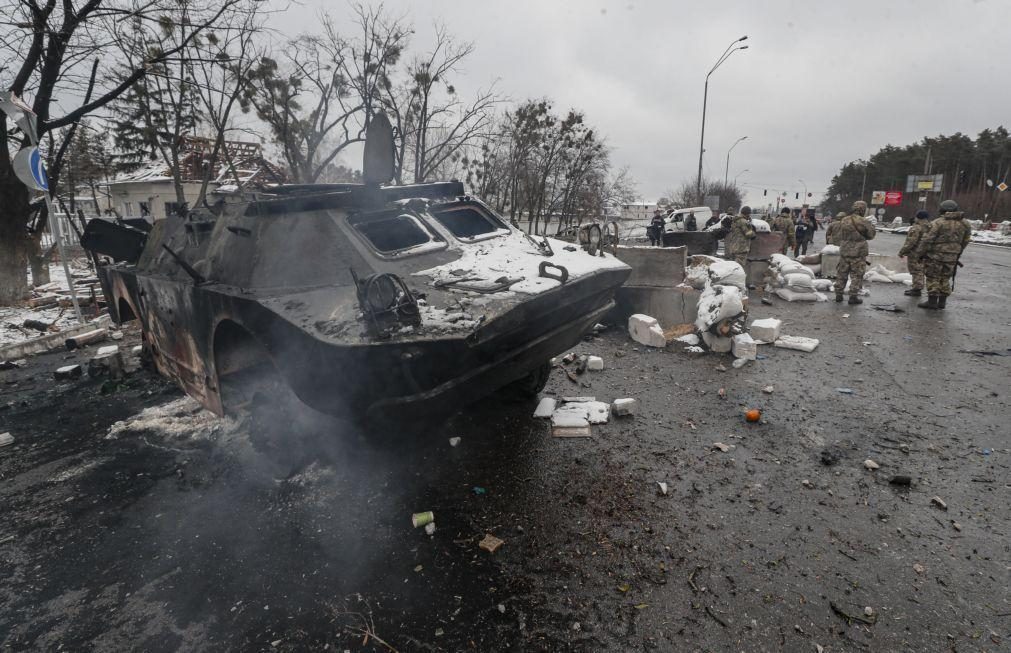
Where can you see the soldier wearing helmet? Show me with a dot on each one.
(851, 235)
(828, 230)
(940, 248)
(738, 241)
(915, 266)
(783, 223)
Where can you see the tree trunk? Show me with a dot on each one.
(14, 243)
(37, 261)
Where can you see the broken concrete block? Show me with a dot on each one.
(68, 372)
(690, 339)
(106, 350)
(598, 412)
(570, 416)
(744, 346)
(595, 363)
(718, 344)
(116, 335)
(766, 330)
(6, 439)
(136, 350)
(799, 343)
(646, 331)
(545, 407)
(624, 407)
(110, 364)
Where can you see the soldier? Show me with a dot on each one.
(784, 224)
(738, 242)
(941, 246)
(851, 235)
(655, 228)
(915, 266)
(828, 230)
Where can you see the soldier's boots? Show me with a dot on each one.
(930, 303)
(942, 301)
(839, 297)
(855, 300)
(913, 292)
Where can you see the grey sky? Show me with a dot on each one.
(822, 83)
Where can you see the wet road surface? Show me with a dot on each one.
(172, 531)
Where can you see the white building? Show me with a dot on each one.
(637, 211)
(150, 192)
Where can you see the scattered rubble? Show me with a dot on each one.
(545, 407)
(939, 502)
(595, 363)
(766, 330)
(646, 331)
(6, 439)
(662, 488)
(68, 372)
(800, 343)
(490, 543)
(744, 347)
(871, 465)
(624, 407)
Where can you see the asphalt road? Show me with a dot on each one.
(171, 530)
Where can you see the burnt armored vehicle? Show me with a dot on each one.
(363, 299)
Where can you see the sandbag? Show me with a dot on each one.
(717, 303)
(761, 226)
(727, 273)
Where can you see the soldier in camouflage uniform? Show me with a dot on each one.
(783, 223)
(738, 241)
(940, 247)
(851, 235)
(915, 266)
(828, 230)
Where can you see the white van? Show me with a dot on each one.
(675, 220)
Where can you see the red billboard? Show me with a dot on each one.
(893, 197)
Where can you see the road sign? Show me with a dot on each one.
(1002, 187)
(881, 211)
(893, 197)
(925, 183)
(878, 197)
(30, 170)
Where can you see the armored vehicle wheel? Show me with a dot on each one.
(530, 385)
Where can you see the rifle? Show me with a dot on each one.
(954, 271)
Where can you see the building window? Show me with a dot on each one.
(145, 209)
(127, 209)
(173, 208)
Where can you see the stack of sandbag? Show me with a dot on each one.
(881, 274)
(760, 226)
(792, 280)
(829, 249)
(720, 316)
(703, 271)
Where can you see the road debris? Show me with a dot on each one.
(870, 618)
(769, 389)
(753, 415)
(918, 568)
(740, 362)
(844, 391)
(545, 407)
(430, 528)
(87, 338)
(624, 407)
(939, 502)
(901, 479)
(890, 308)
(455, 441)
(6, 439)
(719, 446)
(662, 488)
(799, 343)
(420, 519)
(646, 331)
(766, 330)
(871, 465)
(595, 363)
(68, 372)
(490, 543)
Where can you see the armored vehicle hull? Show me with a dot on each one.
(363, 300)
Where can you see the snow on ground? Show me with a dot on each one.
(179, 421)
(13, 317)
(991, 238)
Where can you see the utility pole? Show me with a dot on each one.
(726, 173)
(705, 99)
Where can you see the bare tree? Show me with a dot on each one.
(320, 99)
(47, 43)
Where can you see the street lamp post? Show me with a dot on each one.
(726, 173)
(732, 48)
(804, 201)
(741, 173)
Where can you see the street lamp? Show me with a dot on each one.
(726, 173)
(732, 48)
(805, 191)
(741, 173)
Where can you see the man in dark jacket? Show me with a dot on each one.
(655, 228)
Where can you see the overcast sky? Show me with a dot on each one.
(822, 82)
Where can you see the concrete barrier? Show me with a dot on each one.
(653, 287)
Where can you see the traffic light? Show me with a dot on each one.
(796, 196)
(765, 192)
